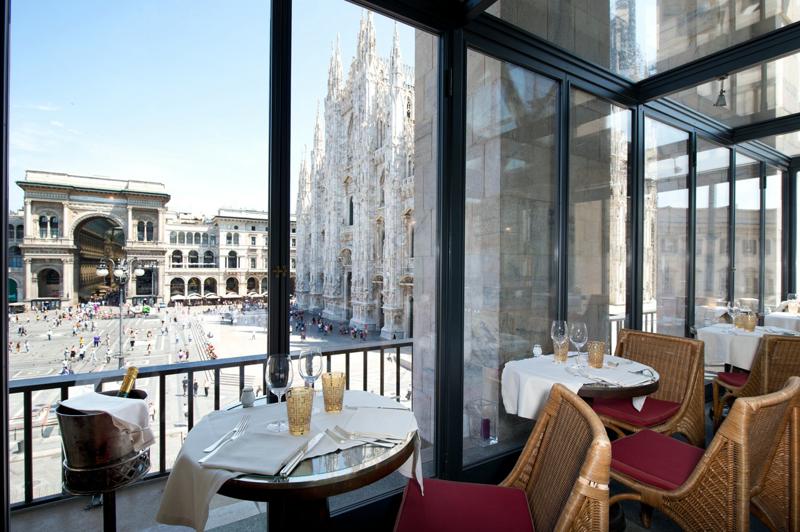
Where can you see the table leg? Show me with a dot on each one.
(109, 511)
(297, 514)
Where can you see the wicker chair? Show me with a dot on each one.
(712, 489)
(560, 481)
(777, 359)
(678, 404)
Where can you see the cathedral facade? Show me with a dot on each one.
(355, 204)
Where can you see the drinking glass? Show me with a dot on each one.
(579, 335)
(279, 379)
(310, 365)
(558, 332)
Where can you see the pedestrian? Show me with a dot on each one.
(74, 331)
(132, 341)
(82, 352)
(205, 387)
(185, 385)
(253, 336)
(49, 334)
(96, 340)
(66, 353)
(27, 346)
(72, 353)
(149, 348)
(189, 339)
(80, 341)
(108, 355)
(194, 387)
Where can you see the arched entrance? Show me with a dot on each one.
(177, 287)
(232, 285)
(13, 297)
(49, 281)
(210, 286)
(97, 238)
(193, 286)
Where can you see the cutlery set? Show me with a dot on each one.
(232, 435)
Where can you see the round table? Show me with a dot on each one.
(300, 500)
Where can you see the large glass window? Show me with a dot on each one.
(773, 229)
(666, 228)
(599, 214)
(712, 258)
(509, 275)
(748, 231)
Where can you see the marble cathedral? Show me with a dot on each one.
(355, 204)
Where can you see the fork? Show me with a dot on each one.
(359, 435)
(339, 436)
(242, 430)
(225, 436)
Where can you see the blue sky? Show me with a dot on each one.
(168, 90)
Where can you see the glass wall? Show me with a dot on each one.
(363, 197)
(666, 228)
(599, 214)
(773, 229)
(748, 231)
(712, 252)
(510, 279)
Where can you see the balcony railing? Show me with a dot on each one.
(26, 387)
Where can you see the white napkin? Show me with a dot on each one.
(128, 415)
(638, 402)
(258, 451)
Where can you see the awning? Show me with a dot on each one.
(231, 295)
(211, 295)
(177, 297)
(253, 294)
(195, 295)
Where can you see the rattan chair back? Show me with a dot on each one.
(564, 467)
(737, 463)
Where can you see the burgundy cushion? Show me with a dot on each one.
(654, 411)
(461, 506)
(654, 459)
(734, 379)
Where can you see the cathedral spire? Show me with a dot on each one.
(366, 37)
(319, 139)
(396, 59)
(335, 69)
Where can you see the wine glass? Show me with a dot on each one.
(558, 332)
(579, 335)
(310, 366)
(279, 379)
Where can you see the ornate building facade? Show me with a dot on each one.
(70, 223)
(355, 204)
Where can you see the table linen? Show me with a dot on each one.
(726, 344)
(191, 486)
(784, 320)
(526, 383)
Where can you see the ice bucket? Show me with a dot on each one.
(92, 440)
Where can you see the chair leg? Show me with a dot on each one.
(716, 408)
(646, 515)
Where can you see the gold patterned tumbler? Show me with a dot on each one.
(333, 390)
(561, 352)
(596, 350)
(298, 408)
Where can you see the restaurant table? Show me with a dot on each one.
(300, 501)
(784, 320)
(726, 344)
(526, 383)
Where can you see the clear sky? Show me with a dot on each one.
(168, 90)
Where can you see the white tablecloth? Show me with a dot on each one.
(526, 383)
(784, 320)
(191, 486)
(726, 344)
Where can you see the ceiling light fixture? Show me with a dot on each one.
(721, 100)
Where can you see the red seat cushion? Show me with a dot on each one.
(462, 506)
(734, 379)
(654, 411)
(654, 459)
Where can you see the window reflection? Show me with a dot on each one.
(773, 214)
(748, 236)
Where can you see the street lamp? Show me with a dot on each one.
(120, 270)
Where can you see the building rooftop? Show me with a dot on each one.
(98, 183)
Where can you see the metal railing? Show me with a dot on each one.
(26, 387)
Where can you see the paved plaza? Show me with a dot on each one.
(246, 336)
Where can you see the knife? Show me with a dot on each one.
(287, 469)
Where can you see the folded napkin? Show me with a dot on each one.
(128, 415)
(261, 452)
(617, 377)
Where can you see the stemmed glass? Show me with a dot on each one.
(579, 335)
(310, 365)
(279, 379)
(559, 334)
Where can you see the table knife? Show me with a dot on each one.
(287, 469)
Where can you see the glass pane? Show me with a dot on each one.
(509, 274)
(763, 92)
(125, 269)
(712, 260)
(773, 213)
(748, 235)
(788, 144)
(363, 192)
(599, 214)
(666, 211)
(639, 38)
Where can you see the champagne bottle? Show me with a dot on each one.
(127, 382)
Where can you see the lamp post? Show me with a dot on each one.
(121, 271)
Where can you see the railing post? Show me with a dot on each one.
(162, 423)
(190, 393)
(364, 372)
(397, 373)
(347, 371)
(216, 388)
(383, 355)
(27, 431)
